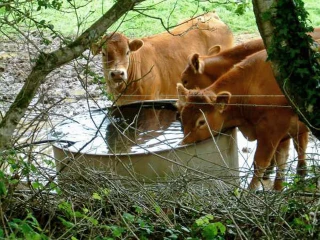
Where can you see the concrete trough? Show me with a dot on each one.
(141, 139)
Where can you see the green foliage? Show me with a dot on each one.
(208, 229)
(27, 228)
(297, 213)
(55, 4)
(15, 169)
(242, 7)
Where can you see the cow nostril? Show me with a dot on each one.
(122, 73)
(112, 74)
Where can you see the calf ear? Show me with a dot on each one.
(95, 48)
(222, 100)
(196, 63)
(214, 50)
(182, 94)
(136, 44)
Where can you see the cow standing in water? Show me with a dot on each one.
(149, 68)
(247, 97)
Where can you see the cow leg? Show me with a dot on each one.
(269, 170)
(300, 144)
(262, 159)
(280, 158)
(279, 152)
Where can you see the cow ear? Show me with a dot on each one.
(196, 63)
(95, 48)
(214, 50)
(136, 44)
(222, 100)
(182, 94)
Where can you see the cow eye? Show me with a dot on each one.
(128, 52)
(201, 123)
(103, 54)
(185, 82)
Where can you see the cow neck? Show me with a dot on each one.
(233, 83)
(216, 66)
(132, 69)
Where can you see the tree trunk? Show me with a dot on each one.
(50, 61)
(282, 25)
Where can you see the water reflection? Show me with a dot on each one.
(135, 128)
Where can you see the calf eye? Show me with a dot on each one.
(128, 52)
(201, 123)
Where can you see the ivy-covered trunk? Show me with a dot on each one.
(283, 25)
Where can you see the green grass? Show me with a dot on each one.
(73, 20)
(170, 11)
(314, 12)
(137, 25)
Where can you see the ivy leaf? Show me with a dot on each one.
(3, 189)
(96, 196)
(129, 217)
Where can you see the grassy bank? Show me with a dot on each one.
(151, 14)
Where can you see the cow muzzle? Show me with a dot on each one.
(187, 139)
(118, 75)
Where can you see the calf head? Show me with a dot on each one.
(195, 74)
(202, 113)
(116, 49)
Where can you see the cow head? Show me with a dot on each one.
(116, 49)
(195, 74)
(202, 113)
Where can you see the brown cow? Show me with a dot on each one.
(247, 97)
(316, 33)
(202, 71)
(149, 68)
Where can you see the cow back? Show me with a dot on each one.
(202, 71)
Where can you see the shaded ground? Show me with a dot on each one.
(68, 83)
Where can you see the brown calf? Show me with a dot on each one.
(202, 71)
(247, 97)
